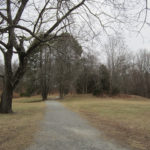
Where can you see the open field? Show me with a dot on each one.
(17, 129)
(125, 120)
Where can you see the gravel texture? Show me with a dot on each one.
(63, 129)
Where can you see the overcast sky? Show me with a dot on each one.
(138, 41)
(134, 41)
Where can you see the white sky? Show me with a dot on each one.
(138, 41)
(134, 41)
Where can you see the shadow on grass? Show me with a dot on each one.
(34, 101)
(28, 100)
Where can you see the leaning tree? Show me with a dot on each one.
(22, 21)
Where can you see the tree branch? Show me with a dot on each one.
(20, 27)
(20, 11)
(4, 17)
(62, 18)
(2, 43)
(2, 49)
(145, 18)
(9, 11)
(40, 15)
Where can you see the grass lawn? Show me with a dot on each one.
(125, 120)
(17, 129)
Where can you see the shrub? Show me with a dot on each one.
(97, 91)
(115, 90)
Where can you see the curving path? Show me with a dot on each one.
(63, 129)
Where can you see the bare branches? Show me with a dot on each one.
(2, 49)
(36, 24)
(55, 26)
(9, 11)
(20, 11)
(40, 16)
(146, 13)
(2, 43)
(63, 17)
(27, 30)
(22, 28)
(4, 17)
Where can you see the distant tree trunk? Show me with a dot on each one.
(44, 95)
(110, 85)
(43, 75)
(45, 88)
(61, 96)
(61, 91)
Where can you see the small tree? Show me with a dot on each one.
(104, 78)
(102, 84)
(68, 52)
(54, 64)
(87, 74)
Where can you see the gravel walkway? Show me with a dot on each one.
(63, 129)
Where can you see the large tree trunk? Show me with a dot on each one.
(6, 98)
(7, 95)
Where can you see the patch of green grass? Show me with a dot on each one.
(124, 119)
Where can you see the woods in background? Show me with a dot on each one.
(54, 68)
(62, 66)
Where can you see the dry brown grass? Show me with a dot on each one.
(126, 120)
(17, 129)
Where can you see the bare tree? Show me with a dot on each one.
(68, 53)
(116, 54)
(88, 70)
(45, 71)
(18, 30)
(142, 67)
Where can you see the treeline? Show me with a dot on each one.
(62, 66)
(53, 69)
(120, 72)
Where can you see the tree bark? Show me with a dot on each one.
(44, 95)
(7, 95)
(6, 99)
(61, 92)
(44, 90)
